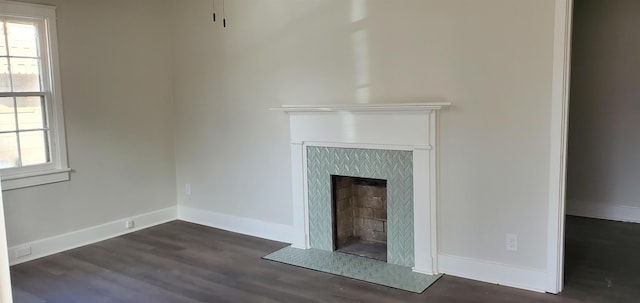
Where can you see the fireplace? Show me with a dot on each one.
(359, 216)
(390, 144)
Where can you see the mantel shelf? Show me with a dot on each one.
(381, 107)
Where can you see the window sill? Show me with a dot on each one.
(35, 179)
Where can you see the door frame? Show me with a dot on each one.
(5, 276)
(558, 149)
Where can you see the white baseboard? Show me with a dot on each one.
(603, 211)
(241, 225)
(60, 243)
(492, 272)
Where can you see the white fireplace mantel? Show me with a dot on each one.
(363, 107)
(400, 126)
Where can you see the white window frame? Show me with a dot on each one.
(57, 170)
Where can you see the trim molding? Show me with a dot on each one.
(33, 179)
(5, 275)
(492, 272)
(558, 144)
(53, 245)
(368, 107)
(241, 225)
(604, 211)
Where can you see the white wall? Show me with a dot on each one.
(117, 92)
(492, 59)
(604, 166)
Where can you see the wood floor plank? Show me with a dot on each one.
(601, 263)
(184, 262)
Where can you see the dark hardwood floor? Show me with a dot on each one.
(602, 263)
(183, 262)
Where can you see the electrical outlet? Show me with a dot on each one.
(512, 242)
(130, 224)
(187, 189)
(23, 251)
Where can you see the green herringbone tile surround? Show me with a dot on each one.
(394, 166)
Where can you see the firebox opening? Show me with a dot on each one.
(360, 216)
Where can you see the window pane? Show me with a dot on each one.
(5, 81)
(7, 115)
(25, 74)
(23, 39)
(3, 43)
(9, 151)
(30, 113)
(34, 148)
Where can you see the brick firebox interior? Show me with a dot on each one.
(360, 216)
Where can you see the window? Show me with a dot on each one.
(32, 143)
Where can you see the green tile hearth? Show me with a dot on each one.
(355, 267)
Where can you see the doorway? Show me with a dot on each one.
(603, 162)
